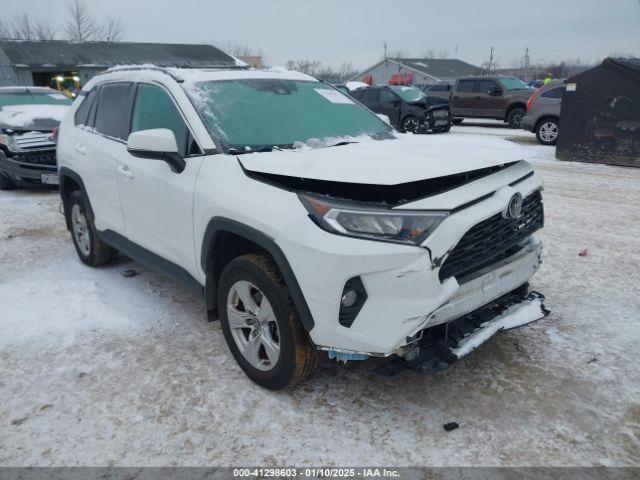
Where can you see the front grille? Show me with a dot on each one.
(493, 240)
(441, 113)
(44, 158)
(32, 141)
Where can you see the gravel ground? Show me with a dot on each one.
(100, 369)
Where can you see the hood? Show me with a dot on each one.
(32, 117)
(409, 158)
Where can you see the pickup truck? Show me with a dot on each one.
(500, 98)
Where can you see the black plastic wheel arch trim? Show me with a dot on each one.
(221, 224)
(65, 172)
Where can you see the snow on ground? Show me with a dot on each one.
(99, 369)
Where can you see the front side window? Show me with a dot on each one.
(154, 109)
(485, 86)
(114, 110)
(82, 113)
(387, 97)
(256, 113)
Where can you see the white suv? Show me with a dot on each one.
(308, 224)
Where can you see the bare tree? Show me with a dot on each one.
(23, 28)
(443, 53)
(44, 31)
(399, 53)
(112, 30)
(489, 67)
(81, 27)
(310, 67)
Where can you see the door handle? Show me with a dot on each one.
(124, 171)
(80, 148)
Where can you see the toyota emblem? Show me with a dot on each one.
(514, 207)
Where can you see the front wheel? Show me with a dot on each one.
(515, 117)
(547, 131)
(410, 124)
(261, 324)
(457, 121)
(90, 249)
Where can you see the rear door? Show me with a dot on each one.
(100, 146)
(463, 98)
(157, 202)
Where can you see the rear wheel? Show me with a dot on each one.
(410, 124)
(6, 183)
(91, 250)
(515, 117)
(547, 131)
(261, 325)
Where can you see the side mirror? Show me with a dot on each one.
(384, 118)
(156, 144)
(495, 91)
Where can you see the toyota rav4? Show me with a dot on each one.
(309, 225)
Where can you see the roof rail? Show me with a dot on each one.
(170, 70)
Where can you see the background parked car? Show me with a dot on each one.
(28, 117)
(500, 98)
(543, 112)
(408, 108)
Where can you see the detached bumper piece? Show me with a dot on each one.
(445, 344)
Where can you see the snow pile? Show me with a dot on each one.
(19, 116)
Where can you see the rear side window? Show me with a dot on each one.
(466, 85)
(114, 110)
(82, 113)
(154, 109)
(553, 93)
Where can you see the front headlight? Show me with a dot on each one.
(409, 227)
(9, 142)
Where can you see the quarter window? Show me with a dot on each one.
(114, 110)
(154, 109)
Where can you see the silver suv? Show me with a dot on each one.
(543, 112)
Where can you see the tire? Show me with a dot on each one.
(457, 121)
(410, 124)
(445, 129)
(547, 131)
(6, 183)
(256, 278)
(515, 117)
(91, 250)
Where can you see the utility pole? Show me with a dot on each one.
(456, 57)
(527, 63)
(385, 50)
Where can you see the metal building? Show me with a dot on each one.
(45, 63)
(416, 71)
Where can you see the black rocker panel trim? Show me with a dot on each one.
(149, 259)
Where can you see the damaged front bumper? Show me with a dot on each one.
(37, 167)
(445, 344)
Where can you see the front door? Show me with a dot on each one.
(390, 106)
(157, 202)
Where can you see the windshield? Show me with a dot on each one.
(31, 98)
(513, 84)
(409, 94)
(254, 114)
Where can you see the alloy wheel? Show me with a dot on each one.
(549, 131)
(80, 229)
(253, 325)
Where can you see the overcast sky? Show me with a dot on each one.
(334, 31)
